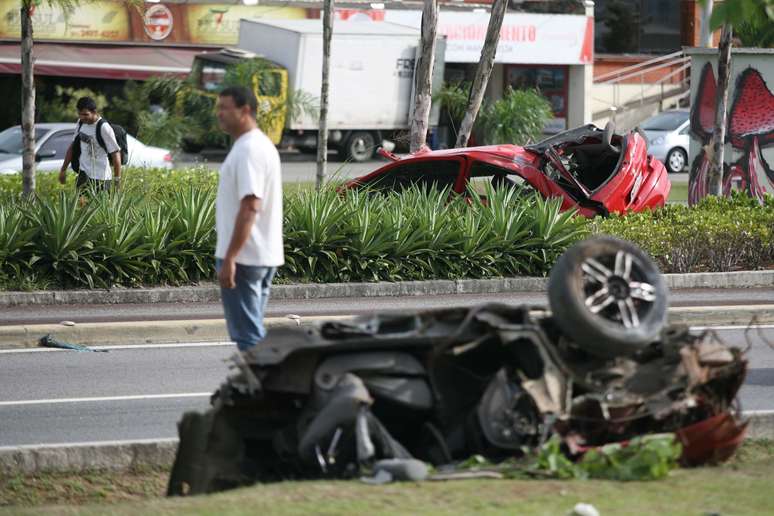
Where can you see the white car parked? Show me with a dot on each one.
(668, 138)
(52, 140)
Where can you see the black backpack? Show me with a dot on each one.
(120, 133)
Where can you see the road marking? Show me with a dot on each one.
(224, 344)
(106, 398)
(731, 327)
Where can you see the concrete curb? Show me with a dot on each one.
(210, 293)
(137, 332)
(155, 453)
(214, 330)
(109, 455)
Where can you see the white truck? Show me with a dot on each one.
(371, 78)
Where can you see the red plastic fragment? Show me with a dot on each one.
(712, 440)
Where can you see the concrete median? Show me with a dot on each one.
(214, 330)
(160, 453)
(208, 293)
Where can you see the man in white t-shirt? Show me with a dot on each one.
(96, 157)
(248, 218)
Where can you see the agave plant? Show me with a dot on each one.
(120, 247)
(555, 230)
(63, 241)
(368, 253)
(315, 242)
(164, 264)
(193, 231)
(15, 239)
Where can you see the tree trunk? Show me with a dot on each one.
(483, 71)
(715, 179)
(423, 95)
(322, 134)
(27, 101)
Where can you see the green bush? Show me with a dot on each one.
(418, 235)
(159, 229)
(719, 234)
(62, 107)
(519, 117)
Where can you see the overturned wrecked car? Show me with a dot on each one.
(495, 380)
(595, 171)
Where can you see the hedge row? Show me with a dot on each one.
(160, 230)
(717, 235)
(154, 232)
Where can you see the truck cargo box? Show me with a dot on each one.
(372, 68)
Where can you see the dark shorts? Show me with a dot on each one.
(84, 182)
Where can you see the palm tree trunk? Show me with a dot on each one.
(28, 101)
(715, 179)
(423, 95)
(322, 134)
(483, 71)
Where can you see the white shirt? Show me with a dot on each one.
(94, 160)
(252, 167)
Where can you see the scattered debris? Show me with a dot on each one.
(50, 342)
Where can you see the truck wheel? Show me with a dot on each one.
(608, 296)
(360, 146)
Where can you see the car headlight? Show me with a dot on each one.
(657, 141)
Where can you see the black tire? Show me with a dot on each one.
(608, 296)
(360, 146)
(676, 160)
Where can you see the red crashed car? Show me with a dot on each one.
(596, 171)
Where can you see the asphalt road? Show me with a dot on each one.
(52, 396)
(54, 314)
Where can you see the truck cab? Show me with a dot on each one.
(268, 80)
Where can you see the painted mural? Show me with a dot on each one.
(750, 129)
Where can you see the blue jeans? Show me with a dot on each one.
(245, 304)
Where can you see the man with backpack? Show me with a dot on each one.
(95, 150)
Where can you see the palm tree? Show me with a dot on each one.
(423, 79)
(28, 98)
(322, 133)
(483, 71)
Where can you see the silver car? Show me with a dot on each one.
(668, 138)
(52, 140)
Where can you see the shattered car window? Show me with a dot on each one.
(425, 174)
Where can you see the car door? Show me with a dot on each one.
(57, 142)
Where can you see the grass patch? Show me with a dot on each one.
(741, 486)
(679, 192)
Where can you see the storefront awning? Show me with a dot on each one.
(101, 61)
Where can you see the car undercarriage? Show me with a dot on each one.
(494, 380)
